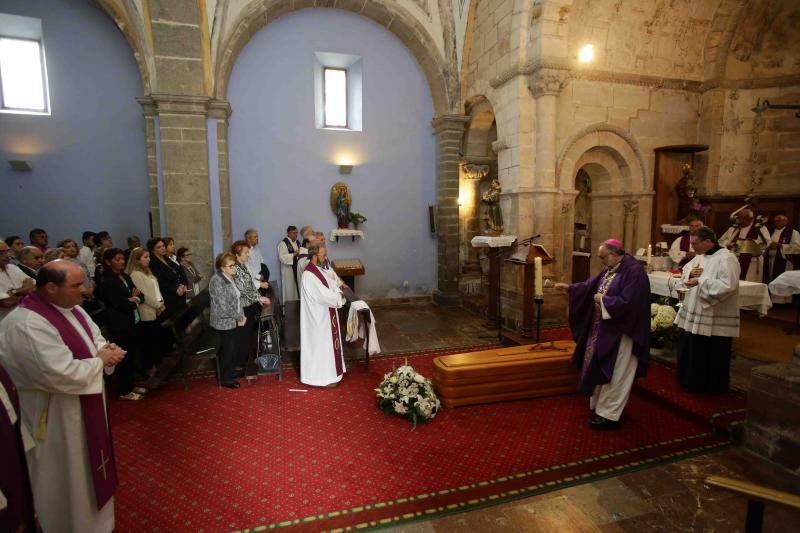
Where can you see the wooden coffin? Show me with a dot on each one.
(527, 371)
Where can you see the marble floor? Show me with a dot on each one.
(667, 498)
(670, 497)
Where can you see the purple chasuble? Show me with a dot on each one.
(779, 263)
(336, 336)
(744, 259)
(627, 300)
(15, 482)
(98, 437)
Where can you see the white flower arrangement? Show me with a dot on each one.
(408, 393)
(662, 323)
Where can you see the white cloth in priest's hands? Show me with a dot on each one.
(356, 329)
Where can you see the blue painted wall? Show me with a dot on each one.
(282, 167)
(89, 158)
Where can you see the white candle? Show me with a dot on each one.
(649, 253)
(583, 242)
(538, 291)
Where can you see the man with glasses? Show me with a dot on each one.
(14, 284)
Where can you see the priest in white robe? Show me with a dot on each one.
(751, 268)
(56, 355)
(785, 241)
(681, 251)
(321, 351)
(709, 316)
(288, 249)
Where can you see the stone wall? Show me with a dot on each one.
(749, 151)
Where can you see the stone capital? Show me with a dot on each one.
(219, 109)
(547, 81)
(181, 104)
(148, 105)
(450, 123)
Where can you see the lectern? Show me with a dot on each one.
(527, 259)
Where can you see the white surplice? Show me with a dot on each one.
(45, 371)
(286, 259)
(317, 357)
(254, 265)
(712, 306)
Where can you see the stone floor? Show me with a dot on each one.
(666, 498)
(670, 497)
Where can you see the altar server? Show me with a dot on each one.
(709, 316)
(55, 354)
(321, 351)
(288, 249)
(609, 315)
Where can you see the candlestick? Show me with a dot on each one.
(649, 253)
(537, 285)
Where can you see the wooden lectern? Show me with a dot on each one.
(526, 258)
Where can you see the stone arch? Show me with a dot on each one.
(608, 139)
(480, 129)
(133, 33)
(441, 77)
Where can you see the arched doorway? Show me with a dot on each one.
(605, 160)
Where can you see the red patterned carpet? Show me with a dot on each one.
(219, 460)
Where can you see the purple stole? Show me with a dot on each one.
(15, 482)
(744, 259)
(779, 263)
(337, 347)
(289, 244)
(101, 454)
(295, 260)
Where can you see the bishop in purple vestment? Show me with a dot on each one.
(609, 316)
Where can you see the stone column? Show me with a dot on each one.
(548, 216)
(221, 110)
(184, 162)
(149, 110)
(449, 130)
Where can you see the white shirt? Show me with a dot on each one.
(10, 278)
(86, 256)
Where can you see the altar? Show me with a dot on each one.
(754, 296)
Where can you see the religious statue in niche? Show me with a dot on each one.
(340, 204)
(689, 206)
(492, 215)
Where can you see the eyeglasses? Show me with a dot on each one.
(229, 266)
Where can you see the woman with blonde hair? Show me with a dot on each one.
(149, 309)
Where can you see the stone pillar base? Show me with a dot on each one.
(446, 299)
(772, 426)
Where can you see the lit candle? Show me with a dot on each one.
(649, 253)
(537, 285)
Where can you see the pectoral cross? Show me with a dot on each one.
(103, 462)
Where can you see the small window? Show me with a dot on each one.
(335, 97)
(23, 82)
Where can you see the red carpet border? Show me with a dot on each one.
(262, 457)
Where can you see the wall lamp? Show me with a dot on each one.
(20, 165)
(345, 169)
